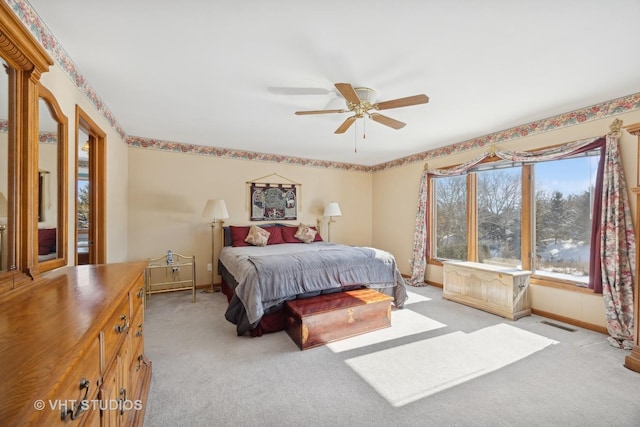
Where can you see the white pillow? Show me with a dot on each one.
(305, 233)
(257, 236)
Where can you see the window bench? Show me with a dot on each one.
(499, 290)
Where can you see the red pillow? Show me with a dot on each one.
(288, 234)
(238, 234)
(275, 238)
(46, 240)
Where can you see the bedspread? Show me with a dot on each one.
(268, 276)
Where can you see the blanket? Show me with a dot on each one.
(267, 280)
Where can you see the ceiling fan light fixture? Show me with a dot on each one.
(366, 95)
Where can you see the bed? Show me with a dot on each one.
(294, 262)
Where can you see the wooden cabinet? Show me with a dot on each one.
(499, 290)
(72, 349)
(632, 361)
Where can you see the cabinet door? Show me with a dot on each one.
(108, 394)
(115, 396)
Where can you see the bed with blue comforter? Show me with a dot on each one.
(259, 280)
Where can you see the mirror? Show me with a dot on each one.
(5, 135)
(83, 199)
(52, 131)
(23, 63)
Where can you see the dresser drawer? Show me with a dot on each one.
(137, 328)
(76, 398)
(114, 332)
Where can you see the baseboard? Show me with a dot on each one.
(436, 284)
(570, 321)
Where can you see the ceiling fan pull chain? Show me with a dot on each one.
(355, 138)
(364, 127)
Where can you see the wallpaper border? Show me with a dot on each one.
(39, 30)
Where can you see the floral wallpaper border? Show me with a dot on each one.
(39, 30)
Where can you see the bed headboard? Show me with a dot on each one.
(227, 230)
(228, 241)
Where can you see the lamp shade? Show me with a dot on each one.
(215, 209)
(332, 209)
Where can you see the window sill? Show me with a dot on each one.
(559, 284)
(566, 285)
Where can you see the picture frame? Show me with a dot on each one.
(269, 202)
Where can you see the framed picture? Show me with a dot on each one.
(273, 202)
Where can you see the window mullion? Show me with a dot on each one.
(527, 218)
(472, 217)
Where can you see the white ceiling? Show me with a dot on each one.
(232, 73)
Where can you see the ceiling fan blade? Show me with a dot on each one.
(348, 92)
(302, 113)
(402, 102)
(346, 124)
(387, 121)
(299, 90)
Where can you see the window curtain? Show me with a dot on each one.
(613, 239)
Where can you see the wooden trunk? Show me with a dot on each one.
(312, 322)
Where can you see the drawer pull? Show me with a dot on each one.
(140, 359)
(140, 292)
(139, 331)
(84, 385)
(121, 328)
(123, 393)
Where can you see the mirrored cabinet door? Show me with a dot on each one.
(6, 135)
(52, 173)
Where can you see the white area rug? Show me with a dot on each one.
(403, 323)
(410, 372)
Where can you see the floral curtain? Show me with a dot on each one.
(420, 242)
(618, 250)
(613, 244)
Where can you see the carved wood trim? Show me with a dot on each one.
(28, 60)
(633, 129)
(18, 45)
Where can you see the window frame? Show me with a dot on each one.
(528, 224)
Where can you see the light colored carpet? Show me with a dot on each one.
(205, 375)
(406, 373)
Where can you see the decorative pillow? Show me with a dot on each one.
(305, 233)
(318, 237)
(288, 234)
(238, 234)
(275, 236)
(46, 240)
(227, 236)
(257, 236)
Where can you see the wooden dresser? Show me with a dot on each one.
(72, 348)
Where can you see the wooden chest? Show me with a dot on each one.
(312, 322)
(499, 290)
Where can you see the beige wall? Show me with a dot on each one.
(168, 191)
(68, 96)
(155, 198)
(396, 195)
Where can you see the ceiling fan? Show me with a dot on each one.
(361, 100)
